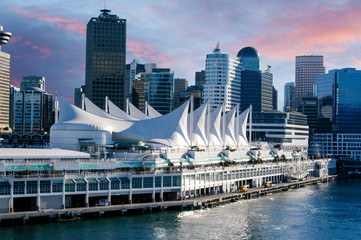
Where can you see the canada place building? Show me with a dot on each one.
(105, 59)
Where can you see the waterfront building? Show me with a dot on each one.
(180, 86)
(200, 78)
(275, 99)
(289, 130)
(105, 59)
(289, 97)
(339, 104)
(307, 69)
(32, 81)
(4, 82)
(256, 81)
(223, 80)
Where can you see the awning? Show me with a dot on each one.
(80, 181)
(124, 179)
(69, 181)
(114, 179)
(103, 180)
(92, 180)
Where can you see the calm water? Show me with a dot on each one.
(327, 211)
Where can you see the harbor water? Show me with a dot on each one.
(326, 211)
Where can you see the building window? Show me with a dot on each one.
(93, 186)
(167, 181)
(31, 187)
(114, 183)
(125, 183)
(176, 181)
(158, 182)
(80, 187)
(148, 182)
(19, 188)
(57, 187)
(45, 186)
(137, 183)
(4, 188)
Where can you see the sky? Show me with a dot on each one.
(49, 36)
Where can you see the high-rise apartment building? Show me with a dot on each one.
(223, 80)
(307, 70)
(289, 97)
(105, 59)
(200, 78)
(32, 81)
(256, 81)
(4, 81)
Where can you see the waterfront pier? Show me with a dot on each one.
(54, 215)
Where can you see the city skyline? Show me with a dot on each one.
(49, 37)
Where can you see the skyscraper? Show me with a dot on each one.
(31, 82)
(105, 59)
(4, 82)
(275, 99)
(307, 70)
(200, 78)
(256, 81)
(289, 97)
(223, 80)
(180, 86)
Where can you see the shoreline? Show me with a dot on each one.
(72, 214)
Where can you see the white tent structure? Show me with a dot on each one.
(151, 112)
(74, 125)
(135, 112)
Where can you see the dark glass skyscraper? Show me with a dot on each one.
(256, 83)
(307, 70)
(105, 59)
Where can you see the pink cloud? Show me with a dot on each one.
(72, 25)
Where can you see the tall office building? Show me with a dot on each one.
(132, 69)
(78, 92)
(307, 70)
(339, 99)
(105, 59)
(32, 81)
(275, 99)
(4, 81)
(200, 78)
(289, 97)
(223, 80)
(31, 110)
(156, 88)
(180, 86)
(256, 80)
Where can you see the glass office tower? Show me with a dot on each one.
(105, 59)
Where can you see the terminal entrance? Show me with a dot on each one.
(120, 199)
(25, 204)
(74, 201)
(98, 201)
(142, 198)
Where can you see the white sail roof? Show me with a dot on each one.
(199, 136)
(230, 135)
(215, 137)
(94, 109)
(119, 113)
(170, 129)
(242, 119)
(152, 113)
(135, 112)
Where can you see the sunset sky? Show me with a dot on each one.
(49, 36)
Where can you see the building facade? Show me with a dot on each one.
(200, 78)
(4, 82)
(223, 80)
(307, 70)
(180, 86)
(289, 97)
(275, 99)
(105, 59)
(32, 81)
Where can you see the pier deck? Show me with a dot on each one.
(139, 208)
